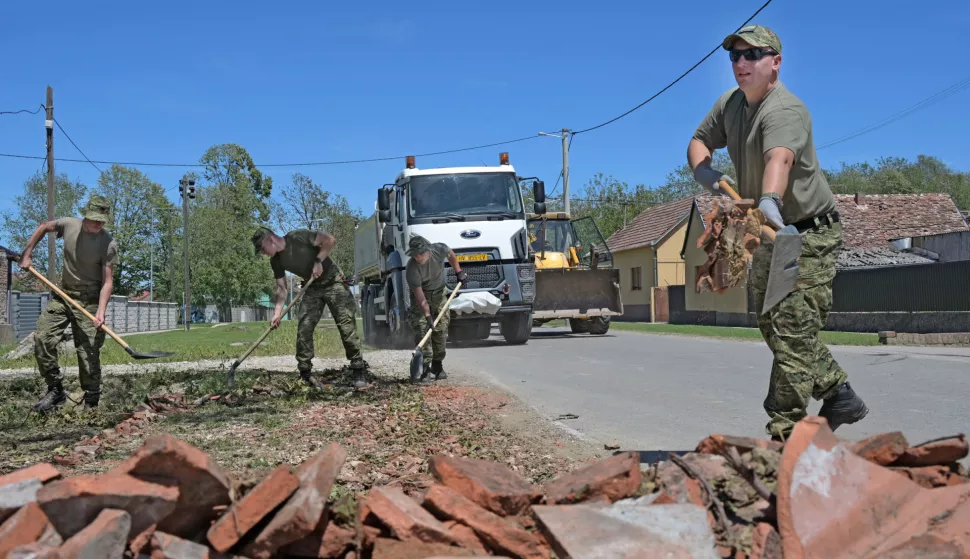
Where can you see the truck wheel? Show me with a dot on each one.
(579, 325)
(599, 325)
(484, 331)
(517, 328)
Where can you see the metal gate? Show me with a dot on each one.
(661, 304)
(25, 309)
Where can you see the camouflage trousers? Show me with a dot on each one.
(88, 341)
(434, 349)
(803, 367)
(337, 297)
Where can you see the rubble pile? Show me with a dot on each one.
(732, 232)
(814, 496)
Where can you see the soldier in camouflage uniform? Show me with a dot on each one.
(767, 131)
(307, 254)
(87, 277)
(425, 275)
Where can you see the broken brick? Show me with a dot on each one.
(386, 548)
(490, 484)
(714, 444)
(937, 453)
(925, 547)
(495, 531)
(244, 514)
(406, 519)
(202, 483)
(105, 537)
(765, 542)
(883, 449)
(73, 503)
(616, 477)
(167, 546)
(15, 495)
(35, 551)
(465, 536)
(302, 512)
(26, 526)
(331, 541)
(43, 472)
(931, 476)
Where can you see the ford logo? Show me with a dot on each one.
(470, 234)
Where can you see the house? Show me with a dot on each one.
(884, 231)
(647, 254)
(6, 284)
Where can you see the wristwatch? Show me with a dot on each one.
(318, 261)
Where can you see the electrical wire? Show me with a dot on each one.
(42, 107)
(929, 101)
(66, 135)
(671, 84)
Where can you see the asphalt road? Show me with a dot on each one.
(653, 392)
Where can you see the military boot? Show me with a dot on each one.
(91, 400)
(845, 408)
(438, 370)
(311, 381)
(360, 373)
(55, 398)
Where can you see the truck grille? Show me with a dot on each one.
(479, 275)
(528, 291)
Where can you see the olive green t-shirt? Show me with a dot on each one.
(779, 120)
(430, 275)
(85, 255)
(298, 257)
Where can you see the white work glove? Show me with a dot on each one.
(709, 178)
(772, 211)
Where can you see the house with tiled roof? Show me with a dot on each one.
(647, 253)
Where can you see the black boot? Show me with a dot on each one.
(359, 367)
(844, 408)
(311, 381)
(55, 398)
(438, 370)
(91, 400)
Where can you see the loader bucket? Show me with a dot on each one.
(564, 293)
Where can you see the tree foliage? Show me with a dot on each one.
(897, 175)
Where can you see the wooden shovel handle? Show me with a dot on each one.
(441, 313)
(76, 305)
(767, 231)
(286, 309)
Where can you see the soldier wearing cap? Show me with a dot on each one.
(767, 131)
(307, 254)
(87, 277)
(425, 275)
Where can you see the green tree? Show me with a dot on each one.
(30, 210)
(898, 175)
(235, 183)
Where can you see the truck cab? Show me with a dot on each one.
(479, 213)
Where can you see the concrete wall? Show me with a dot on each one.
(951, 247)
(734, 300)
(121, 315)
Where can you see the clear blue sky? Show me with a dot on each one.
(319, 81)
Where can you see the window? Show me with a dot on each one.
(635, 281)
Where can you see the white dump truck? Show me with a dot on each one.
(479, 213)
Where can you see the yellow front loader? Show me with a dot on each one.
(575, 278)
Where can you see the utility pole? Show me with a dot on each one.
(565, 169)
(51, 246)
(151, 260)
(187, 190)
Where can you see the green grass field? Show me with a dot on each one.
(832, 338)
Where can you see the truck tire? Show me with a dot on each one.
(400, 334)
(484, 331)
(599, 325)
(517, 328)
(579, 325)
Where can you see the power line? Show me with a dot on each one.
(929, 101)
(28, 111)
(66, 135)
(671, 84)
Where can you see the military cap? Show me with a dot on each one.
(259, 236)
(756, 36)
(417, 245)
(97, 209)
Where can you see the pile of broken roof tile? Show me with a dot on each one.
(814, 496)
(731, 235)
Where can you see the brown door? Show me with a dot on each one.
(661, 299)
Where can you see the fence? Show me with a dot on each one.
(122, 316)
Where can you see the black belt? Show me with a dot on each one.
(815, 222)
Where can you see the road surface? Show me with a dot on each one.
(662, 392)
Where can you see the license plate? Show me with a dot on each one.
(471, 257)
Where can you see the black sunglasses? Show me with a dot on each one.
(752, 54)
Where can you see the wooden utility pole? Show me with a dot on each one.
(51, 243)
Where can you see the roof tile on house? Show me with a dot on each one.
(877, 256)
(879, 218)
(650, 226)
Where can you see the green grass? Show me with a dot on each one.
(204, 342)
(832, 338)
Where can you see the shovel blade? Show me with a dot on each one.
(783, 275)
(231, 376)
(149, 354)
(417, 364)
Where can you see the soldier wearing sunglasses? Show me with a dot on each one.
(767, 131)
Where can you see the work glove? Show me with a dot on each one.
(709, 178)
(430, 326)
(771, 209)
(462, 277)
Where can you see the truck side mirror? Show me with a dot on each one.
(539, 192)
(539, 207)
(383, 200)
(384, 216)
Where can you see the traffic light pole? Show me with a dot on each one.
(187, 190)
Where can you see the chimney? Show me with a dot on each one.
(860, 199)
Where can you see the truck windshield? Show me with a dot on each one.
(464, 195)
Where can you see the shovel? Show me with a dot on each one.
(783, 272)
(131, 352)
(231, 377)
(417, 358)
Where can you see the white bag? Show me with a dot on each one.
(481, 302)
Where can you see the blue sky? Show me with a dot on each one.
(319, 81)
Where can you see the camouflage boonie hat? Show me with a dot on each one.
(756, 36)
(97, 209)
(258, 238)
(417, 245)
